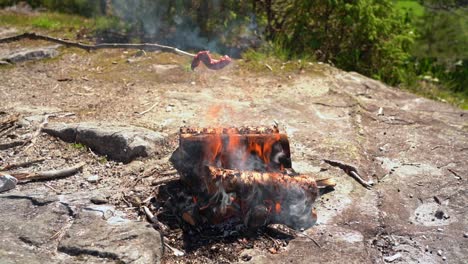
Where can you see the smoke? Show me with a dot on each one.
(183, 24)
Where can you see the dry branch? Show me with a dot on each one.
(48, 175)
(89, 47)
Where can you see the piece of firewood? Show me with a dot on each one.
(48, 175)
(232, 180)
(260, 198)
(230, 130)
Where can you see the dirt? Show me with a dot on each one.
(414, 149)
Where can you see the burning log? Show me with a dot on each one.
(265, 197)
(244, 148)
(212, 64)
(242, 173)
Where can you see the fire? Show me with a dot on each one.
(226, 148)
(277, 208)
(240, 173)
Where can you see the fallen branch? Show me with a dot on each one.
(48, 175)
(20, 165)
(165, 180)
(89, 47)
(351, 171)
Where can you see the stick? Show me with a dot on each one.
(48, 175)
(284, 229)
(150, 216)
(149, 109)
(351, 171)
(311, 238)
(164, 180)
(12, 144)
(148, 213)
(89, 47)
(177, 252)
(20, 165)
(7, 131)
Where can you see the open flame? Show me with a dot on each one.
(227, 149)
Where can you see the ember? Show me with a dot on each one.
(245, 174)
(212, 64)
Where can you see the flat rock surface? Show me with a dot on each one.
(28, 54)
(414, 149)
(121, 143)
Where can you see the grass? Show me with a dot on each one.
(47, 20)
(438, 93)
(275, 61)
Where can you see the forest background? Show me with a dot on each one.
(418, 45)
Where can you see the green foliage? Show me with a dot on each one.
(396, 41)
(50, 21)
(411, 9)
(79, 146)
(367, 36)
(82, 7)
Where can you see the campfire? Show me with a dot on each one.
(243, 174)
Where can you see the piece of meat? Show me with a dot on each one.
(212, 64)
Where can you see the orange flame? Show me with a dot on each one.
(226, 148)
(278, 207)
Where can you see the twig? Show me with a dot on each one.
(149, 109)
(7, 131)
(350, 170)
(48, 175)
(291, 232)
(177, 252)
(454, 173)
(269, 67)
(164, 180)
(12, 144)
(89, 47)
(148, 213)
(52, 188)
(152, 219)
(311, 238)
(20, 165)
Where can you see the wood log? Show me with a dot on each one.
(258, 198)
(230, 130)
(260, 152)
